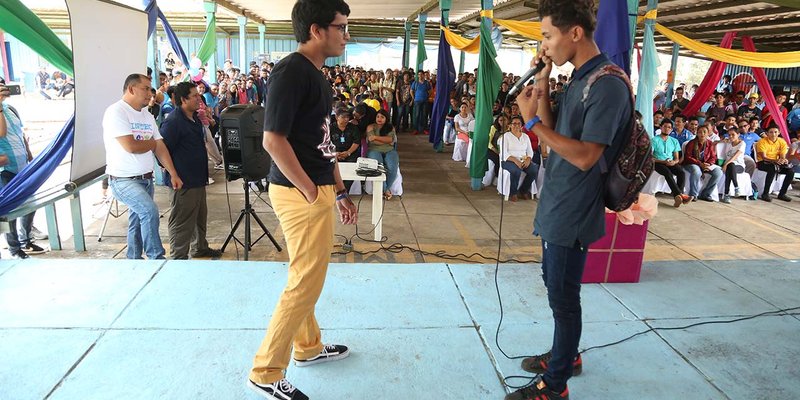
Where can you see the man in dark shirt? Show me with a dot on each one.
(347, 139)
(185, 139)
(305, 185)
(680, 102)
(751, 110)
(570, 215)
(363, 116)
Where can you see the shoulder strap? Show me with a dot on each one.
(14, 110)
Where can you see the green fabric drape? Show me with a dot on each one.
(489, 77)
(23, 24)
(422, 54)
(209, 44)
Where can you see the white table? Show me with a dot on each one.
(348, 172)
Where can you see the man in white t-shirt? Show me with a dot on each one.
(131, 138)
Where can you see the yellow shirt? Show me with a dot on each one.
(773, 150)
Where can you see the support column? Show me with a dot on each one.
(242, 43)
(673, 70)
(422, 54)
(262, 29)
(211, 9)
(152, 58)
(407, 43)
(461, 62)
(77, 222)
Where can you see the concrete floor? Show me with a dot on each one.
(421, 325)
(91, 329)
(439, 212)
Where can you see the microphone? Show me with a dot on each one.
(525, 78)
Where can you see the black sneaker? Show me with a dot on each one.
(213, 253)
(538, 364)
(784, 197)
(280, 390)
(331, 352)
(19, 255)
(538, 390)
(32, 248)
(765, 197)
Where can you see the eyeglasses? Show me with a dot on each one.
(342, 28)
(516, 124)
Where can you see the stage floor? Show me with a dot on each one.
(119, 329)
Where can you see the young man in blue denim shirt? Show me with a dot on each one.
(570, 215)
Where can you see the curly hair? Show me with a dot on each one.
(568, 13)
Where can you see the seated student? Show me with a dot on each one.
(700, 158)
(734, 163)
(499, 127)
(666, 154)
(519, 158)
(462, 120)
(449, 136)
(381, 140)
(346, 138)
(728, 123)
(658, 116)
(680, 132)
(749, 138)
(771, 153)
(755, 126)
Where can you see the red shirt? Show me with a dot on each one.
(697, 155)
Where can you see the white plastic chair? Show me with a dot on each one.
(656, 184)
(504, 180)
(760, 178)
(396, 188)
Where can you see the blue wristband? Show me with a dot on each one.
(535, 120)
(341, 196)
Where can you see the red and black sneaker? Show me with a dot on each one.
(538, 364)
(538, 390)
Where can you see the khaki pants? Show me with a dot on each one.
(308, 229)
(187, 222)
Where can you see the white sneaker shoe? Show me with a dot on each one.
(280, 390)
(331, 352)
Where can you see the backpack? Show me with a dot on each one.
(633, 165)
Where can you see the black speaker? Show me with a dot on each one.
(242, 129)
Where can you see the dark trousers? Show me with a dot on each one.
(515, 171)
(401, 117)
(187, 222)
(419, 116)
(772, 170)
(667, 172)
(495, 159)
(730, 176)
(562, 270)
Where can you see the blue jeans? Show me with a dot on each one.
(515, 171)
(696, 176)
(562, 270)
(143, 235)
(401, 117)
(20, 233)
(419, 115)
(392, 163)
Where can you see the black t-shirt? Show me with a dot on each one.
(299, 101)
(680, 104)
(344, 140)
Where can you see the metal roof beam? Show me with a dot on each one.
(704, 6)
(240, 11)
(500, 7)
(720, 18)
(430, 5)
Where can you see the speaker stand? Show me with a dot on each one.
(246, 213)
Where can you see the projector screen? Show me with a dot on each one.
(109, 42)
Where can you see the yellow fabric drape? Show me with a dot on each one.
(458, 42)
(487, 13)
(529, 29)
(787, 59)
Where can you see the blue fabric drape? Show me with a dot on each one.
(173, 39)
(33, 176)
(613, 35)
(152, 15)
(648, 76)
(445, 81)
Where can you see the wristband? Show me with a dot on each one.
(341, 195)
(535, 120)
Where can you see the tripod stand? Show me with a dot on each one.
(245, 215)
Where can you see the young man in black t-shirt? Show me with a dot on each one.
(305, 184)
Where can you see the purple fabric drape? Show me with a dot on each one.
(613, 34)
(445, 80)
